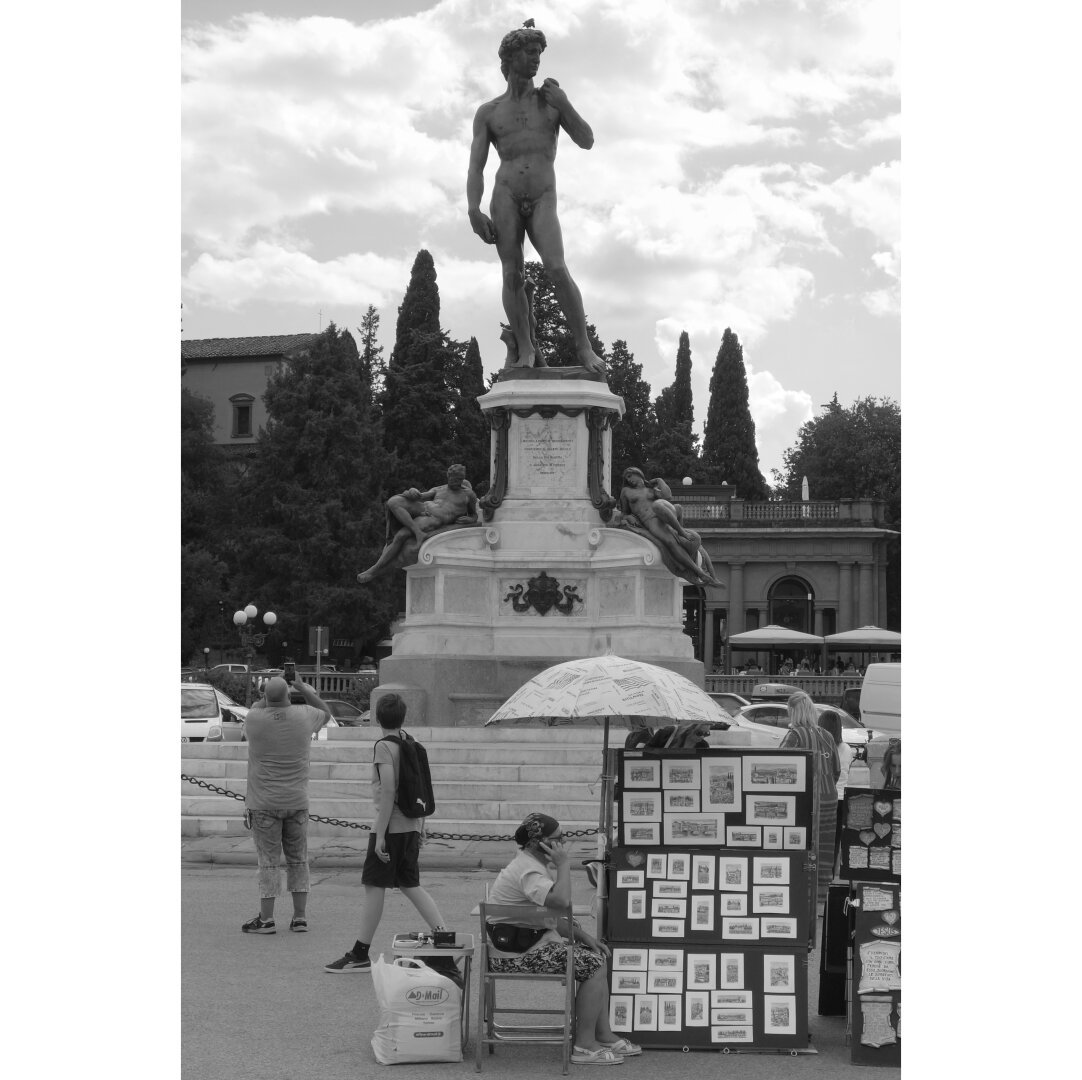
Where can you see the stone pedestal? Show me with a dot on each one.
(544, 579)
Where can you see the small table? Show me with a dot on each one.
(402, 945)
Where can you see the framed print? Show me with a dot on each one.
(679, 866)
(778, 928)
(642, 773)
(734, 903)
(702, 971)
(694, 829)
(642, 806)
(795, 837)
(665, 959)
(680, 801)
(773, 810)
(703, 869)
(731, 971)
(696, 1009)
(668, 928)
(779, 974)
(730, 999)
(779, 1014)
(721, 786)
(740, 929)
(774, 773)
(731, 1033)
(642, 832)
(636, 904)
(702, 912)
(674, 889)
(646, 1012)
(733, 873)
(772, 836)
(744, 836)
(666, 907)
(620, 1011)
(680, 773)
(771, 899)
(670, 1012)
(629, 982)
(657, 865)
(731, 1016)
(630, 879)
(767, 871)
(664, 982)
(629, 959)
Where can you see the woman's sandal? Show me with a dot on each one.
(623, 1048)
(603, 1055)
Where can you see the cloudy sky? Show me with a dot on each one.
(745, 174)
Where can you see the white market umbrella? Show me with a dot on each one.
(767, 637)
(867, 637)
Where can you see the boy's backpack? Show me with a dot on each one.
(414, 796)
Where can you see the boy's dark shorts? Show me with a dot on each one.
(401, 872)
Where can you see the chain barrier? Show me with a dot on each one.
(367, 828)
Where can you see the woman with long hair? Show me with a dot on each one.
(831, 722)
(805, 734)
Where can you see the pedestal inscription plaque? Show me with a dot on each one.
(547, 456)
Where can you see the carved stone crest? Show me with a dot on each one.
(543, 593)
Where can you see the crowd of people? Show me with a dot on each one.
(804, 666)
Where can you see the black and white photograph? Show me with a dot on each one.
(664, 982)
(642, 773)
(696, 1008)
(775, 773)
(721, 789)
(768, 871)
(621, 1007)
(630, 879)
(629, 959)
(666, 959)
(740, 929)
(750, 836)
(628, 982)
(779, 973)
(671, 889)
(680, 801)
(779, 1014)
(732, 1033)
(668, 928)
(702, 971)
(773, 810)
(639, 806)
(700, 829)
(670, 1015)
(731, 971)
(663, 907)
(703, 871)
(680, 773)
(646, 1012)
(679, 866)
(657, 864)
(731, 999)
(733, 903)
(770, 899)
(733, 873)
(643, 833)
(702, 912)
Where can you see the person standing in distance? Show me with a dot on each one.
(523, 124)
(279, 751)
(393, 846)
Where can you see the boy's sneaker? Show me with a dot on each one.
(349, 962)
(298, 924)
(258, 926)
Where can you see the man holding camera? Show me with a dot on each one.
(279, 738)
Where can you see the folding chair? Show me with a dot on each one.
(490, 1030)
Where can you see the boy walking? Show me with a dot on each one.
(393, 846)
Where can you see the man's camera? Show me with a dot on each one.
(289, 671)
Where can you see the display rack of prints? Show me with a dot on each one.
(876, 1008)
(872, 835)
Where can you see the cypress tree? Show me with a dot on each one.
(729, 451)
(674, 453)
(471, 433)
(636, 431)
(553, 337)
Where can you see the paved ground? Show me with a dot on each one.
(262, 1008)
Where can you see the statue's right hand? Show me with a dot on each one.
(482, 225)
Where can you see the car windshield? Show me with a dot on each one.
(849, 722)
(197, 704)
(228, 702)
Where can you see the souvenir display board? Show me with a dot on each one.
(877, 975)
(703, 896)
(872, 835)
(710, 999)
(738, 797)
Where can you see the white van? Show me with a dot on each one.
(881, 699)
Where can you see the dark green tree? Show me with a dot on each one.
(637, 430)
(313, 500)
(418, 419)
(204, 501)
(373, 366)
(853, 453)
(553, 336)
(729, 451)
(471, 432)
(674, 451)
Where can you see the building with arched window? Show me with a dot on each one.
(817, 567)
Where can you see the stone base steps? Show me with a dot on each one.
(486, 779)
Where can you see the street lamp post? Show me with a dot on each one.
(206, 660)
(250, 640)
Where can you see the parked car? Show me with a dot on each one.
(346, 713)
(233, 716)
(730, 703)
(230, 669)
(200, 713)
(770, 714)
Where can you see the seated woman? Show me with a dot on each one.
(528, 879)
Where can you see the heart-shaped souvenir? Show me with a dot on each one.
(883, 808)
(882, 829)
(866, 836)
(635, 858)
(890, 917)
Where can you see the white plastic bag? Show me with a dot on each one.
(420, 1013)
